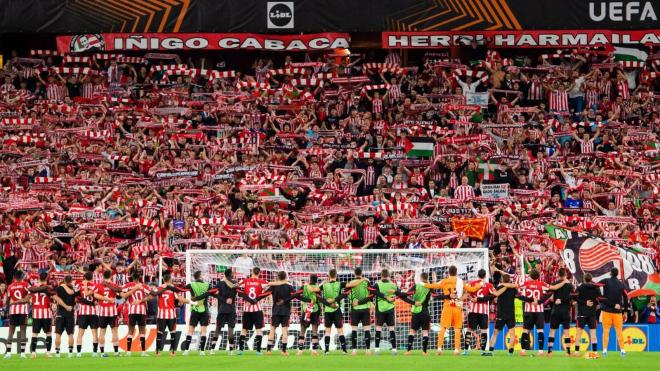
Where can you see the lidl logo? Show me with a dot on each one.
(634, 339)
(584, 339)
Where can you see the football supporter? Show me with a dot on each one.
(133, 169)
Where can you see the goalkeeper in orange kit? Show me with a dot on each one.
(453, 290)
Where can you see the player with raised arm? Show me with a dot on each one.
(587, 314)
(452, 289)
(42, 316)
(282, 293)
(87, 313)
(252, 289)
(65, 320)
(107, 312)
(561, 312)
(199, 313)
(225, 292)
(136, 294)
(385, 291)
(166, 318)
(534, 293)
(360, 311)
(506, 314)
(18, 312)
(420, 297)
(479, 311)
(309, 315)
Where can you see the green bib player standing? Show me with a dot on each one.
(385, 291)
(360, 298)
(199, 313)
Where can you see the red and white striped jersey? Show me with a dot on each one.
(97, 277)
(485, 290)
(166, 307)
(41, 305)
(559, 101)
(533, 289)
(135, 306)
(104, 308)
(56, 92)
(370, 176)
(377, 105)
(370, 233)
(85, 309)
(593, 97)
(18, 291)
(394, 91)
(623, 88)
(463, 192)
(587, 146)
(535, 91)
(253, 288)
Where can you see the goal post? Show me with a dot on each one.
(404, 265)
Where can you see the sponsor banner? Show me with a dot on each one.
(518, 39)
(200, 41)
(57, 16)
(495, 190)
(636, 338)
(477, 99)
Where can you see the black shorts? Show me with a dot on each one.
(477, 320)
(137, 320)
(420, 321)
(199, 318)
(65, 322)
(105, 322)
(18, 319)
(386, 318)
(86, 321)
(280, 320)
(42, 324)
(314, 319)
(228, 319)
(560, 318)
(333, 319)
(360, 316)
(583, 321)
(162, 324)
(501, 322)
(253, 319)
(533, 319)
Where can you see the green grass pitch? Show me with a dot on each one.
(336, 362)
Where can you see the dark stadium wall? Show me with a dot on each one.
(86, 16)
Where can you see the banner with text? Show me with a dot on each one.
(495, 190)
(519, 39)
(200, 41)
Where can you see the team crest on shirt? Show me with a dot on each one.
(85, 42)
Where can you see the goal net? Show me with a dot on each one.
(405, 267)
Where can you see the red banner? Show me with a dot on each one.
(197, 41)
(518, 39)
(472, 227)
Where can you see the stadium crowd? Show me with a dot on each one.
(123, 162)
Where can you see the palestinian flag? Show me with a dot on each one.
(419, 146)
(485, 173)
(630, 57)
(471, 227)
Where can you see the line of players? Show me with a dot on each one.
(96, 310)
